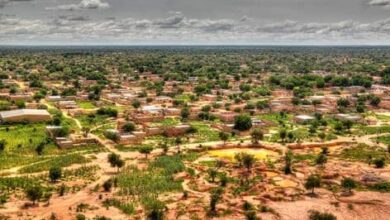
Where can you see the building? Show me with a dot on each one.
(67, 105)
(348, 117)
(25, 115)
(303, 118)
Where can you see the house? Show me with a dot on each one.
(177, 130)
(24, 97)
(151, 109)
(227, 117)
(163, 100)
(29, 115)
(303, 118)
(348, 117)
(67, 105)
(54, 98)
(172, 112)
(209, 97)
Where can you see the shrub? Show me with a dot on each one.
(380, 162)
(243, 122)
(107, 185)
(316, 215)
(55, 173)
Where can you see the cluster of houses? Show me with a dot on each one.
(155, 107)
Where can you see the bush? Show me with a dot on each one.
(55, 173)
(107, 185)
(379, 163)
(128, 127)
(107, 111)
(34, 193)
(316, 215)
(243, 122)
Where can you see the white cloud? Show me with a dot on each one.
(178, 28)
(379, 2)
(83, 5)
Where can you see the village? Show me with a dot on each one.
(116, 142)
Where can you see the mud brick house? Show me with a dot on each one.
(172, 112)
(129, 138)
(151, 109)
(385, 103)
(152, 131)
(349, 117)
(140, 118)
(25, 115)
(54, 98)
(67, 105)
(227, 117)
(302, 119)
(17, 97)
(163, 100)
(177, 130)
(208, 97)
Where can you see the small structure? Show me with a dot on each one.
(54, 98)
(67, 105)
(151, 109)
(25, 115)
(303, 118)
(348, 117)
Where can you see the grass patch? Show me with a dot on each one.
(60, 161)
(86, 105)
(380, 187)
(363, 152)
(383, 139)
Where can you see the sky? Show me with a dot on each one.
(186, 22)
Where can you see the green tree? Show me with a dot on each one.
(257, 135)
(178, 142)
(243, 122)
(34, 193)
(128, 127)
(348, 184)
(212, 174)
(288, 158)
(3, 144)
(145, 150)
(248, 160)
(115, 160)
(224, 136)
(283, 134)
(321, 159)
(379, 162)
(215, 197)
(185, 113)
(55, 173)
(312, 182)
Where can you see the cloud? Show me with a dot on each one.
(173, 21)
(74, 17)
(379, 2)
(83, 5)
(3, 3)
(177, 28)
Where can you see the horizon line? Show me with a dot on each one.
(195, 45)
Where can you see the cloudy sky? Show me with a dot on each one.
(195, 22)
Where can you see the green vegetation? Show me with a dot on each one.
(86, 104)
(60, 161)
(364, 153)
